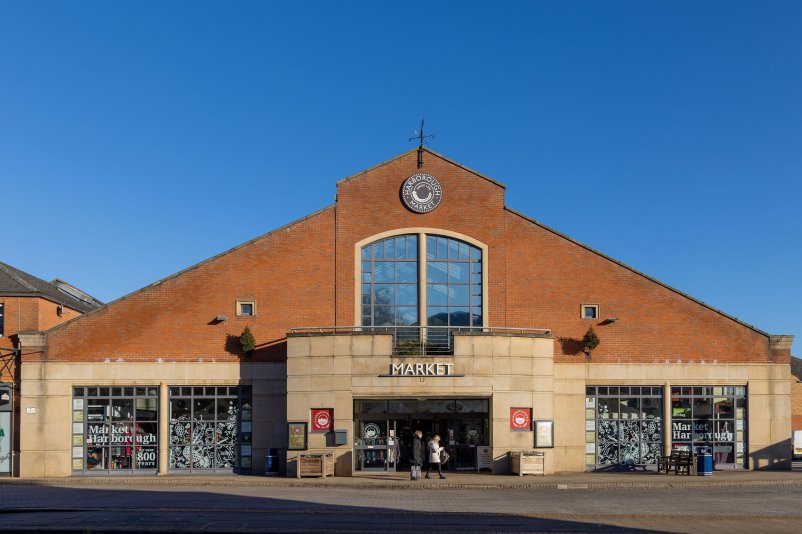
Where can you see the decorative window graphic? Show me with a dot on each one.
(205, 427)
(623, 425)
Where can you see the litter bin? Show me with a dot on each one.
(704, 461)
(272, 461)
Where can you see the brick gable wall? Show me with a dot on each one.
(303, 275)
(288, 272)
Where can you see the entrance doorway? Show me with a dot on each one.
(384, 431)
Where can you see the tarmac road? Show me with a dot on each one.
(204, 508)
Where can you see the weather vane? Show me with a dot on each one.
(421, 139)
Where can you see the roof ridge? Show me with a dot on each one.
(430, 151)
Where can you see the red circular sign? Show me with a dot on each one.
(519, 418)
(322, 419)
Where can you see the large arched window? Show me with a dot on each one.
(419, 279)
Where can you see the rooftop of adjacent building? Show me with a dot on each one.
(17, 283)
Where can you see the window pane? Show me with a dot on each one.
(383, 294)
(476, 254)
(366, 251)
(437, 316)
(442, 248)
(383, 271)
(453, 249)
(203, 409)
(400, 247)
(407, 294)
(459, 273)
(406, 315)
(463, 251)
(383, 316)
(406, 271)
(412, 246)
(437, 294)
(378, 249)
(460, 317)
(459, 295)
(437, 272)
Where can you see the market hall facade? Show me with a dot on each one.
(418, 301)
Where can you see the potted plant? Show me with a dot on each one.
(591, 341)
(247, 341)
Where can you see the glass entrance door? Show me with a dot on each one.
(383, 431)
(376, 447)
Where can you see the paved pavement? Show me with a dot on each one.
(745, 502)
(466, 480)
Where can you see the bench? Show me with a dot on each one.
(678, 461)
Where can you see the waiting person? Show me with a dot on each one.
(434, 456)
(417, 455)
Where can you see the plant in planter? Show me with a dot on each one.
(411, 347)
(247, 341)
(591, 341)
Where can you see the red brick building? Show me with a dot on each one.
(27, 304)
(417, 301)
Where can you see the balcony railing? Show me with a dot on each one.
(421, 340)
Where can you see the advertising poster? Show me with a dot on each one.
(484, 457)
(544, 434)
(322, 419)
(297, 436)
(521, 419)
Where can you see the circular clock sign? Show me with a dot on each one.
(421, 193)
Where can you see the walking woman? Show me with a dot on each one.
(417, 455)
(434, 456)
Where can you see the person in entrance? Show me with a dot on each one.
(434, 456)
(417, 455)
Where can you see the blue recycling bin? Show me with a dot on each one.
(704, 461)
(272, 461)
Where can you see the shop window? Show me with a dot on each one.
(623, 425)
(246, 308)
(115, 430)
(590, 311)
(712, 417)
(210, 428)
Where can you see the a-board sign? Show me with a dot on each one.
(484, 457)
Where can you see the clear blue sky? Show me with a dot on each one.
(138, 138)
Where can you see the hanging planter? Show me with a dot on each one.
(247, 341)
(591, 341)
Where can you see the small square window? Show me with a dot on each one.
(590, 311)
(246, 308)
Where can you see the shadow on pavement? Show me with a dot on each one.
(96, 510)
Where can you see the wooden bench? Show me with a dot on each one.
(678, 461)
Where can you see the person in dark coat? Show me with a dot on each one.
(417, 455)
